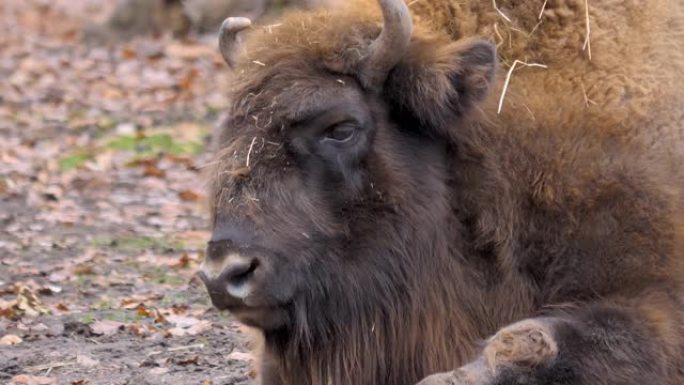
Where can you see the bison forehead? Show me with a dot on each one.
(337, 41)
(274, 106)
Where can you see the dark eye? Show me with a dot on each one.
(340, 133)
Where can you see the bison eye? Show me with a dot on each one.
(340, 133)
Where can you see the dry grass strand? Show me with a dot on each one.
(587, 39)
(508, 19)
(508, 79)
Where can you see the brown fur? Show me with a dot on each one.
(459, 221)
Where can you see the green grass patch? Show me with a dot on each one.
(88, 318)
(106, 304)
(74, 161)
(164, 276)
(134, 244)
(153, 145)
(174, 299)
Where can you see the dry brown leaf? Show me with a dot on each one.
(83, 269)
(153, 171)
(130, 303)
(142, 311)
(128, 53)
(183, 262)
(188, 79)
(28, 304)
(179, 309)
(189, 196)
(10, 339)
(240, 356)
(194, 360)
(159, 317)
(24, 379)
(7, 309)
(107, 327)
(187, 326)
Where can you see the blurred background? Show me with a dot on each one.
(105, 113)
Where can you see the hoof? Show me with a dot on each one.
(527, 343)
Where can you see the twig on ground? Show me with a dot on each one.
(177, 348)
(49, 366)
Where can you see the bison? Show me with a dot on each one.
(455, 192)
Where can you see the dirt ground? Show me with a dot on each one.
(102, 225)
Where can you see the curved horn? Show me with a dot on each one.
(228, 37)
(386, 51)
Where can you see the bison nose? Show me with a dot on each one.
(238, 275)
(227, 273)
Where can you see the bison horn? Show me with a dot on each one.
(386, 51)
(228, 37)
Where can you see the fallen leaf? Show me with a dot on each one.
(142, 311)
(188, 79)
(50, 289)
(189, 195)
(24, 379)
(138, 330)
(28, 304)
(128, 53)
(159, 317)
(10, 339)
(179, 309)
(187, 326)
(154, 171)
(194, 360)
(183, 262)
(239, 356)
(7, 309)
(83, 269)
(106, 327)
(80, 382)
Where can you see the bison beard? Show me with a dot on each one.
(378, 222)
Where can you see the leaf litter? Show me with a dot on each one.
(102, 222)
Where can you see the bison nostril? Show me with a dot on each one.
(238, 277)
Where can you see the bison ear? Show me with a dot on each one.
(439, 82)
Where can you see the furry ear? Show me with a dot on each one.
(439, 81)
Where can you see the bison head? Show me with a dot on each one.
(332, 185)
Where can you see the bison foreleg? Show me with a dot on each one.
(601, 344)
